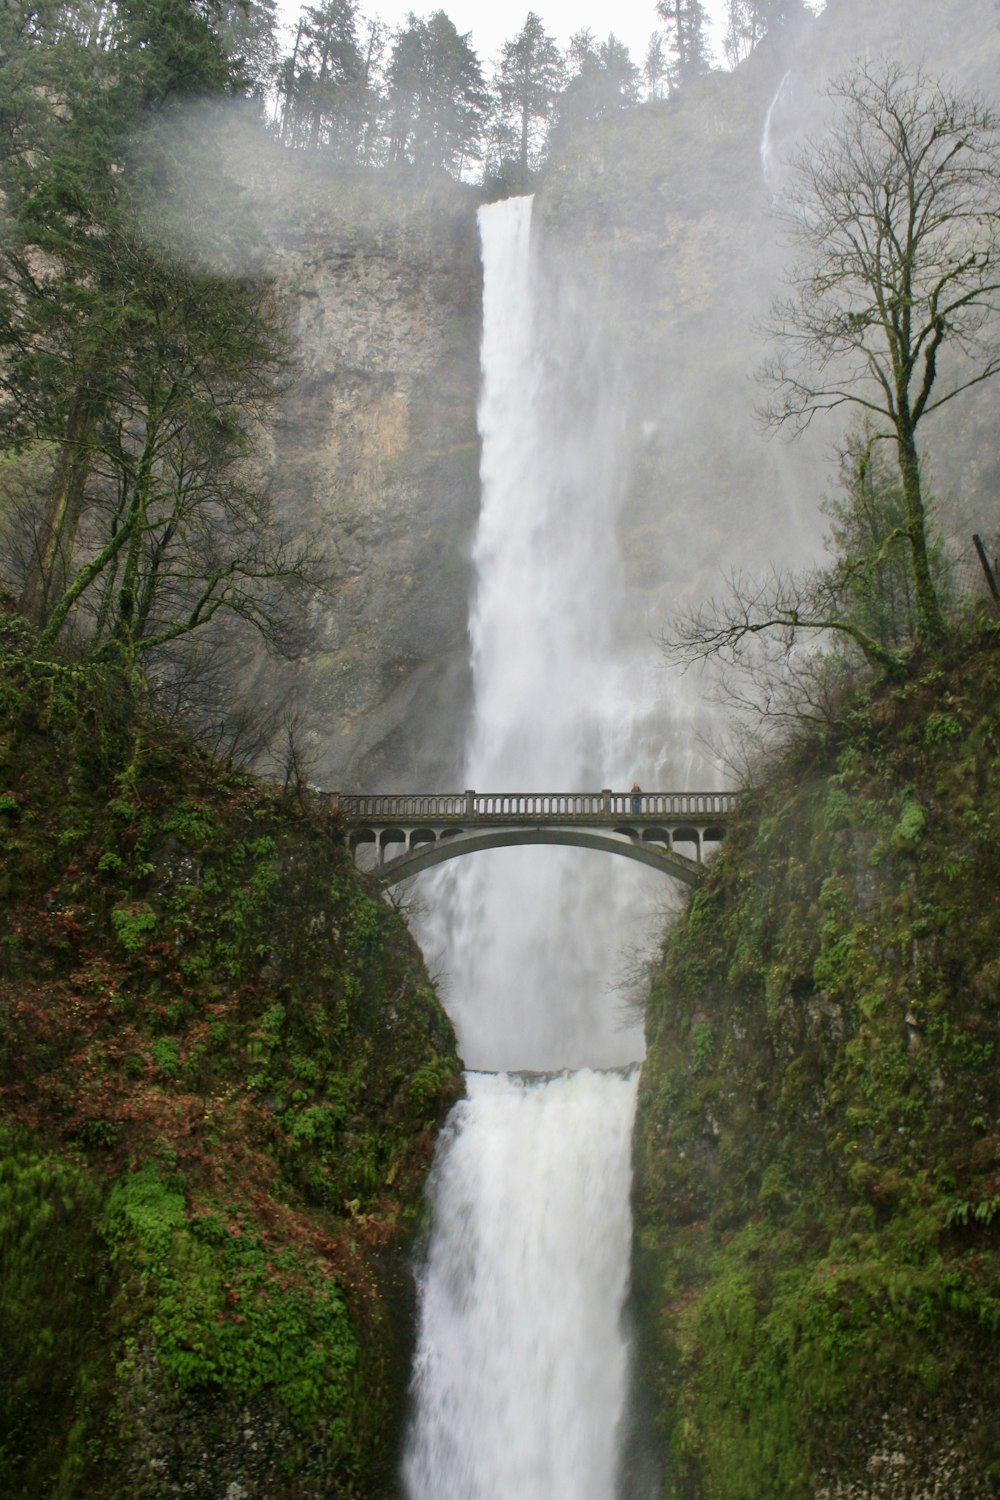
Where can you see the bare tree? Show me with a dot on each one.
(783, 606)
(892, 310)
(781, 650)
(297, 762)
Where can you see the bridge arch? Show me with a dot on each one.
(424, 855)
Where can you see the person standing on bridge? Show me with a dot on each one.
(636, 799)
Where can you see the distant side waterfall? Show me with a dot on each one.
(521, 1370)
(770, 164)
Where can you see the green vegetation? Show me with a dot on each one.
(819, 1137)
(140, 351)
(221, 1067)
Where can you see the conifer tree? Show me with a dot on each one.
(749, 21)
(437, 100)
(654, 69)
(323, 83)
(139, 374)
(247, 31)
(686, 24)
(603, 79)
(527, 86)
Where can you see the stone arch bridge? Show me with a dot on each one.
(670, 831)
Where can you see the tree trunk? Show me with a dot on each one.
(317, 118)
(288, 111)
(50, 565)
(930, 620)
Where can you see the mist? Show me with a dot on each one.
(662, 225)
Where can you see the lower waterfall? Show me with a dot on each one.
(520, 1376)
(521, 1370)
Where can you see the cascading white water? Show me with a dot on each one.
(522, 1364)
(520, 1375)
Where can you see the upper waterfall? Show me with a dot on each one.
(769, 162)
(530, 941)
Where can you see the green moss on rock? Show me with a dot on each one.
(222, 1065)
(819, 1118)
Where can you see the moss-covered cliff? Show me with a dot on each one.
(221, 1067)
(818, 1189)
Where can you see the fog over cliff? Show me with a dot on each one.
(660, 225)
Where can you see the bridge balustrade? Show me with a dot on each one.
(567, 806)
(536, 804)
(395, 807)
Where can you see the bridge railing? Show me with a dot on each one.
(378, 808)
(469, 806)
(674, 804)
(537, 804)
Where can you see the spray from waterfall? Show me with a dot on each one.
(524, 937)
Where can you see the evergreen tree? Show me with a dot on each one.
(603, 79)
(527, 86)
(247, 32)
(405, 86)
(166, 50)
(749, 21)
(687, 39)
(654, 69)
(437, 100)
(174, 528)
(323, 84)
(59, 278)
(140, 376)
(374, 46)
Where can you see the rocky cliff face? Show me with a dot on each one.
(221, 1069)
(376, 449)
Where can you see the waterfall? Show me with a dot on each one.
(522, 1363)
(520, 1376)
(770, 165)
